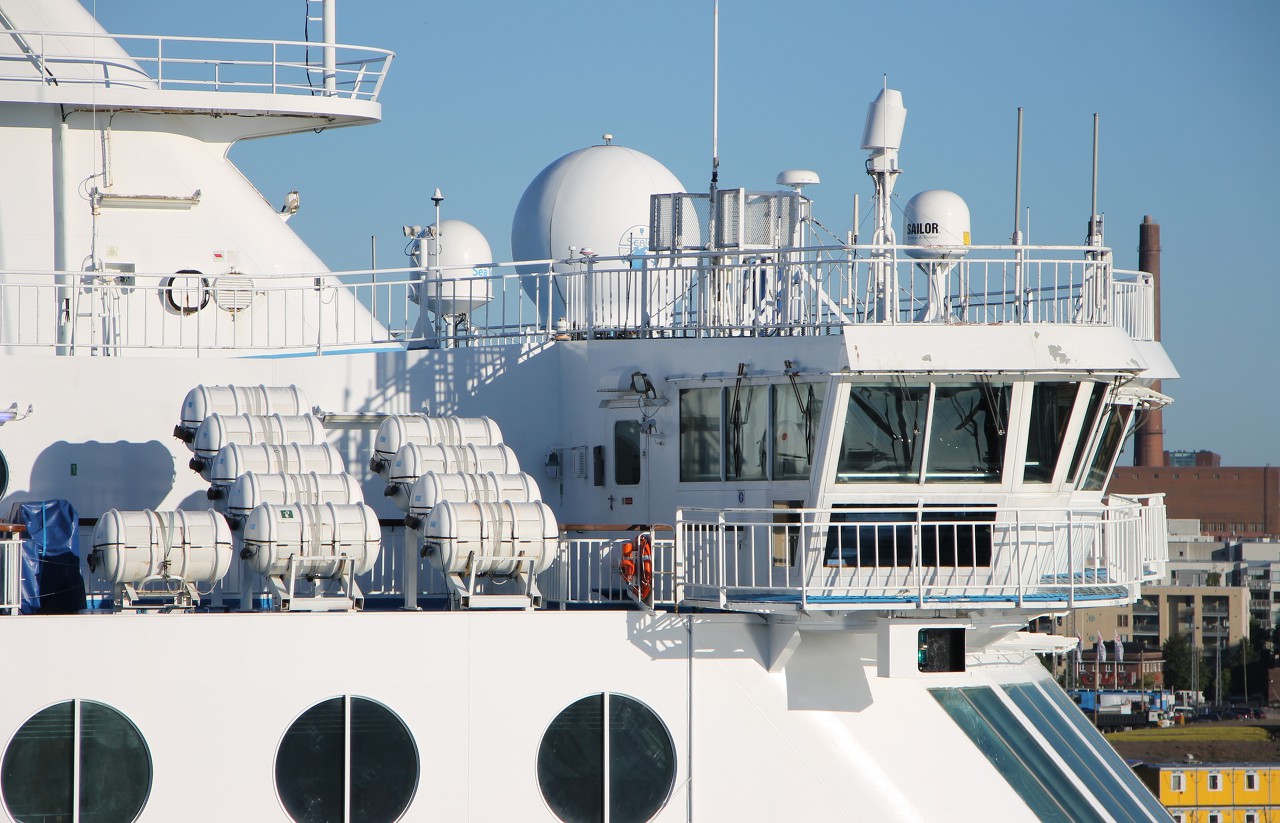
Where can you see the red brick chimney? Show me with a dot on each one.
(1148, 442)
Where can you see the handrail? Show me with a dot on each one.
(813, 291)
(187, 63)
(904, 557)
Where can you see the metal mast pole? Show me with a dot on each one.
(715, 121)
(330, 47)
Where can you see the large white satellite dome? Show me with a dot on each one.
(595, 198)
(591, 198)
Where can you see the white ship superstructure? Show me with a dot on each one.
(691, 512)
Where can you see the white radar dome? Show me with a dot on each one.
(595, 198)
(936, 224)
(454, 251)
(591, 198)
(456, 245)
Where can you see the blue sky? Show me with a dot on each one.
(483, 95)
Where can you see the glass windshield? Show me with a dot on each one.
(883, 432)
(1108, 448)
(797, 411)
(700, 434)
(1090, 421)
(967, 433)
(1051, 405)
(747, 454)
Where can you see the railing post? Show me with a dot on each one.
(804, 564)
(160, 62)
(916, 537)
(723, 573)
(275, 66)
(1071, 572)
(1017, 552)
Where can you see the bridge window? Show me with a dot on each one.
(875, 537)
(1086, 433)
(797, 412)
(967, 433)
(1051, 405)
(700, 415)
(751, 432)
(883, 434)
(1108, 448)
(886, 428)
(747, 430)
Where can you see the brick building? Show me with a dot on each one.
(1231, 502)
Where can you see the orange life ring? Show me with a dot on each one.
(628, 565)
(646, 568)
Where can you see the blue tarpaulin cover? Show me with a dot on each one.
(51, 579)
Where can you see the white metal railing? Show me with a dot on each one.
(588, 571)
(916, 557)
(1134, 301)
(781, 292)
(10, 575)
(194, 64)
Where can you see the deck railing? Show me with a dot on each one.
(781, 292)
(211, 64)
(588, 571)
(10, 575)
(814, 559)
(916, 557)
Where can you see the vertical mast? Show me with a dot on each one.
(1017, 185)
(330, 47)
(715, 120)
(1095, 219)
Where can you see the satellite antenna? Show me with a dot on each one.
(882, 136)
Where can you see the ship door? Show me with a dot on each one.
(630, 471)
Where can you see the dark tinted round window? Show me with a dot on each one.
(4, 475)
(639, 751)
(311, 767)
(40, 769)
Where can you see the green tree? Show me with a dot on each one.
(1179, 663)
(1211, 675)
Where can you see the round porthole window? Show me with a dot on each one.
(314, 772)
(4, 475)
(613, 739)
(187, 292)
(40, 773)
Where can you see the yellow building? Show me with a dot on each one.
(1216, 792)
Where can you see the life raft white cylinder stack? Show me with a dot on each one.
(412, 461)
(203, 401)
(137, 546)
(218, 431)
(489, 538)
(432, 489)
(399, 430)
(252, 489)
(322, 537)
(234, 460)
